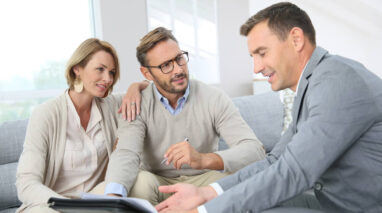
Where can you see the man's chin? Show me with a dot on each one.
(276, 87)
(180, 90)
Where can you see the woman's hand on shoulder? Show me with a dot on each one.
(131, 103)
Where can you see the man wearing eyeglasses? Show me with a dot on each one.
(175, 137)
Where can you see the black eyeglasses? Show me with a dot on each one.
(168, 66)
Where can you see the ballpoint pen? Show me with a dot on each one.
(165, 159)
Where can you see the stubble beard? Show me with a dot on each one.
(168, 87)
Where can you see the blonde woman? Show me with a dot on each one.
(69, 139)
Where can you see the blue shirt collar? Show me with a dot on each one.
(181, 101)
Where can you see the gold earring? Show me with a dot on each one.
(78, 85)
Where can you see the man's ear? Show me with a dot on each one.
(146, 72)
(297, 38)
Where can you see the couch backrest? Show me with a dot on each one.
(264, 114)
(12, 135)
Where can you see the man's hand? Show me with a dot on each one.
(183, 153)
(185, 197)
(131, 103)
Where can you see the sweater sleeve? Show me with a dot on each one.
(124, 161)
(237, 134)
(31, 171)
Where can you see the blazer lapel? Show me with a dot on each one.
(317, 56)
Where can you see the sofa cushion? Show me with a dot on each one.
(264, 114)
(11, 210)
(12, 136)
(8, 194)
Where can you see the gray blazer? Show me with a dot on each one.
(333, 145)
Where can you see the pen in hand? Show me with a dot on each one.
(165, 159)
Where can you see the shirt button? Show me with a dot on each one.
(318, 186)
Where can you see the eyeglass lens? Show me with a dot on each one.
(181, 60)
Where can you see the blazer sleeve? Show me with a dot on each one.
(237, 134)
(31, 171)
(243, 174)
(339, 113)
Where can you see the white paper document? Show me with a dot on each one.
(137, 202)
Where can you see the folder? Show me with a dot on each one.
(98, 205)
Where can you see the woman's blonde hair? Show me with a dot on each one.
(82, 56)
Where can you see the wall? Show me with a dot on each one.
(234, 61)
(122, 23)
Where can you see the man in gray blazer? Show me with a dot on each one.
(334, 144)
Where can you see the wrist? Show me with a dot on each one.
(208, 193)
(211, 161)
(114, 195)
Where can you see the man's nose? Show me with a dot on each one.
(258, 66)
(177, 68)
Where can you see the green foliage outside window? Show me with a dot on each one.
(51, 75)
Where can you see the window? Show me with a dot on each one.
(193, 23)
(38, 37)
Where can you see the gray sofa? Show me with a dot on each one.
(262, 112)
(12, 136)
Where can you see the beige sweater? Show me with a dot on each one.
(41, 159)
(207, 115)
